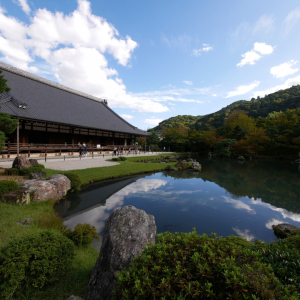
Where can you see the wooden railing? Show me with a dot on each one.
(43, 149)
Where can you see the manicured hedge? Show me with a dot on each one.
(7, 186)
(75, 181)
(33, 169)
(34, 260)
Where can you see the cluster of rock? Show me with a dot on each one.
(157, 160)
(37, 190)
(25, 222)
(126, 234)
(285, 230)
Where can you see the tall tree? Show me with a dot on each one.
(7, 125)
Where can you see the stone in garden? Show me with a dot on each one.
(34, 162)
(168, 168)
(241, 158)
(51, 188)
(21, 163)
(62, 184)
(36, 175)
(21, 197)
(182, 165)
(126, 234)
(284, 230)
(26, 222)
(196, 166)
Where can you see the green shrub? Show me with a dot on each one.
(116, 159)
(75, 181)
(189, 266)
(33, 169)
(82, 235)
(7, 186)
(284, 260)
(122, 158)
(239, 242)
(293, 241)
(12, 171)
(33, 261)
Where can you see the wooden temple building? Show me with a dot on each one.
(54, 118)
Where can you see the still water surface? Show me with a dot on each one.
(226, 197)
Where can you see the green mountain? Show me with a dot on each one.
(260, 107)
(185, 120)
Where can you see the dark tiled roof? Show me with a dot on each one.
(48, 101)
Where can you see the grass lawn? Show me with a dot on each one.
(125, 168)
(76, 279)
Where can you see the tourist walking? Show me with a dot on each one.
(80, 148)
(129, 150)
(115, 151)
(136, 148)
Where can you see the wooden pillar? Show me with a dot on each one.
(18, 129)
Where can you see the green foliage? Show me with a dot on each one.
(293, 242)
(122, 158)
(82, 234)
(153, 139)
(12, 171)
(7, 186)
(223, 148)
(75, 181)
(34, 261)
(284, 260)
(116, 159)
(189, 266)
(33, 169)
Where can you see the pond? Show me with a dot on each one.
(226, 197)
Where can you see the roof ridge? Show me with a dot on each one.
(28, 75)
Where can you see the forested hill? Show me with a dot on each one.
(185, 120)
(260, 107)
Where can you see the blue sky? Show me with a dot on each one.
(153, 60)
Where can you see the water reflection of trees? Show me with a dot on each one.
(274, 182)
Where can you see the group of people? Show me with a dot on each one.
(82, 147)
(163, 149)
(118, 150)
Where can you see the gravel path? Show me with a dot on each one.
(75, 163)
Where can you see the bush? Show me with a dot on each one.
(75, 181)
(7, 186)
(12, 171)
(116, 159)
(284, 260)
(33, 261)
(82, 234)
(122, 158)
(33, 169)
(188, 266)
(293, 242)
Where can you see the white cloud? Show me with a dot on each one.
(238, 204)
(124, 116)
(263, 48)
(73, 48)
(272, 222)
(24, 5)
(188, 82)
(153, 121)
(288, 83)
(250, 57)
(214, 95)
(243, 89)
(263, 24)
(284, 69)
(205, 48)
(291, 20)
(244, 234)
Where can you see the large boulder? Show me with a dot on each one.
(33, 161)
(285, 230)
(36, 175)
(196, 166)
(51, 188)
(21, 163)
(126, 234)
(182, 165)
(20, 197)
(241, 158)
(62, 184)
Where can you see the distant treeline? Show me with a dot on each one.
(262, 126)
